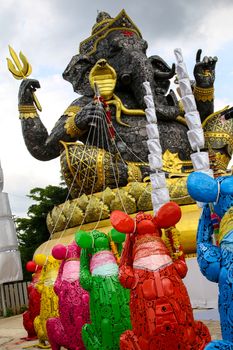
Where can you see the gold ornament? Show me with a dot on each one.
(27, 111)
(72, 129)
(173, 164)
(95, 167)
(21, 70)
(72, 110)
(218, 135)
(134, 173)
(203, 94)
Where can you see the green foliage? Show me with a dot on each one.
(23, 308)
(9, 312)
(32, 231)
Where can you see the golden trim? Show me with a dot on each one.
(221, 135)
(98, 24)
(28, 115)
(213, 115)
(64, 144)
(203, 94)
(100, 168)
(26, 108)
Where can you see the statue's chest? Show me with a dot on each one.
(103, 264)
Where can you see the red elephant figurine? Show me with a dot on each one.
(33, 301)
(161, 313)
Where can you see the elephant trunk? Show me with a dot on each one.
(141, 71)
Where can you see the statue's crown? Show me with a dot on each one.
(105, 24)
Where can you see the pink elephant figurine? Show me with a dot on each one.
(65, 330)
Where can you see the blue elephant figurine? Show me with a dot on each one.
(215, 244)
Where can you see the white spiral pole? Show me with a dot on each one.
(200, 159)
(160, 193)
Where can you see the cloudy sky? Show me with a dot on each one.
(48, 32)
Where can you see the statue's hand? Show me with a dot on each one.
(204, 71)
(91, 115)
(26, 89)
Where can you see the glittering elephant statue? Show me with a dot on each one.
(33, 301)
(109, 301)
(160, 309)
(49, 300)
(215, 244)
(65, 330)
(109, 118)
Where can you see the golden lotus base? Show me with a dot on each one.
(187, 227)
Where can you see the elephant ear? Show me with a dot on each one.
(84, 239)
(117, 236)
(227, 186)
(162, 71)
(202, 187)
(77, 73)
(122, 222)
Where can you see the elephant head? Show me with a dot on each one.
(218, 192)
(120, 43)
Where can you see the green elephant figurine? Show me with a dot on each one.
(109, 301)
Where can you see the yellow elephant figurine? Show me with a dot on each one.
(49, 300)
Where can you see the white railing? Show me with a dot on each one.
(14, 298)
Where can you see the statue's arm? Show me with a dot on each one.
(167, 107)
(40, 284)
(181, 266)
(208, 255)
(126, 271)
(70, 127)
(204, 73)
(58, 282)
(39, 143)
(85, 274)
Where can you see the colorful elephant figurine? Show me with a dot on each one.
(215, 244)
(109, 301)
(161, 313)
(49, 300)
(65, 330)
(33, 301)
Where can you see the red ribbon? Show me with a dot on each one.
(111, 130)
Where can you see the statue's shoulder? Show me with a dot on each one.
(77, 105)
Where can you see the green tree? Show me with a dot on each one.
(32, 231)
